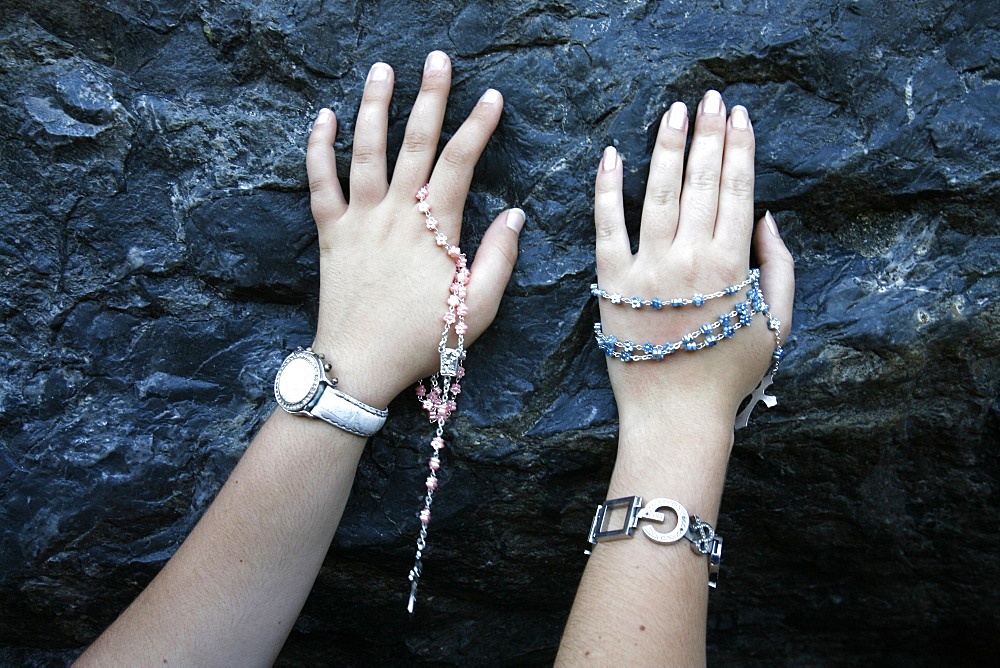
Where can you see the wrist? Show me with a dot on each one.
(373, 383)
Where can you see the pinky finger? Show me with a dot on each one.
(612, 248)
(326, 196)
(777, 271)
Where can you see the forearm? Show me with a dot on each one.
(233, 590)
(641, 602)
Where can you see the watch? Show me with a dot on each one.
(302, 387)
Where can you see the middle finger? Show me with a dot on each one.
(423, 129)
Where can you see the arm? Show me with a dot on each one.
(641, 602)
(233, 590)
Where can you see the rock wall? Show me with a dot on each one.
(157, 259)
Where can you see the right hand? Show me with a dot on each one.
(383, 280)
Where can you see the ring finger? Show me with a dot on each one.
(368, 166)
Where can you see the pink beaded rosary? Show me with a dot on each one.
(439, 401)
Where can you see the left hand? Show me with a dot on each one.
(383, 280)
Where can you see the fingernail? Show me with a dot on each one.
(324, 117)
(677, 115)
(379, 72)
(610, 161)
(515, 220)
(712, 102)
(772, 226)
(740, 118)
(491, 96)
(436, 61)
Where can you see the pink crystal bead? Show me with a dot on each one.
(421, 391)
(453, 300)
(461, 328)
(422, 193)
(440, 239)
(460, 372)
(431, 482)
(425, 516)
(437, 443)
(423, 207)
(449, 318)
(462, 310)
(456, 388)
(463, 276)
(454, 288)
(454, 251)
(434, 463)
(432, 225)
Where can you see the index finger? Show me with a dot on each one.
(453, 172)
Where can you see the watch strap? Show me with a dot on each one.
(344, 411)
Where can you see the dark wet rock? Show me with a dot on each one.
(157, 257)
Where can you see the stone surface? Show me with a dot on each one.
(158, 257)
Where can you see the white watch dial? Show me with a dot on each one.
(297, 381)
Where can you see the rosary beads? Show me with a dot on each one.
(439, 401)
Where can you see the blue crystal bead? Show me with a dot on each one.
(725, 319)
(732, 289)
(647, 348)
(691, 345)
(656, 303)
(779, 352)
(728, 331)
(698, 299)
(676, 302)
(628, 346)
(635, 302)
(658, 353)
(625, 356)
(707, 328)
(595, 290)
(710, 341)
(746, 318)
(774, 324)
(615, 298)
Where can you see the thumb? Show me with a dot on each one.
(777, 271)
(492, 268)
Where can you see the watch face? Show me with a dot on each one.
(297, 381)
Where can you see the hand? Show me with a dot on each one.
(383, 280)
(697, 227)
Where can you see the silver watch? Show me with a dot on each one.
(303, 387)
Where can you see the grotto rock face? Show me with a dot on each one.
(157, 260)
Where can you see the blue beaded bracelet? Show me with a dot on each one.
(706, 336)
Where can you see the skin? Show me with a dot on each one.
(641, 602)
(233, 590)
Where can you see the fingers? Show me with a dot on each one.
(663, 191)
(734, 222)
(326, 196)
(613, 250)
(700, 197)
(777, 271)
(453, 171)
(492, 268)
(423, 129)
(368, 164)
